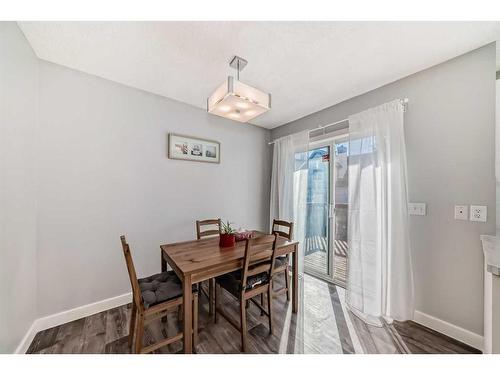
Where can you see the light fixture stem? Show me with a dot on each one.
(238, 74)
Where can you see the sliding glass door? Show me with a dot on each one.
(326, 217)
(339, 210)
(317, 227)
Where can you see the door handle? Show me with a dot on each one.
(331, 211)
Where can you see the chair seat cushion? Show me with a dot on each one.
(161, 287)
(232, 281)
(280, 262)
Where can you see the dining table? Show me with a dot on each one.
(199, 260)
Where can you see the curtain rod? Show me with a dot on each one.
(404, 101)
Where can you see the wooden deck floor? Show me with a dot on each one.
(316, 260)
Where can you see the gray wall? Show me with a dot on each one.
(18, 83)
(104, 171)
(450, 135)
(494, 314)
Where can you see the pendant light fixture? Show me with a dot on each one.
(236, 100)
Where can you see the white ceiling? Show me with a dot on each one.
(306, 66)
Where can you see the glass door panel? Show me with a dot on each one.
(339, 233)
(317, 231)
(325, 250)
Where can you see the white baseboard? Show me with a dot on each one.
(70, 315)
(27, 339)
(451, 330)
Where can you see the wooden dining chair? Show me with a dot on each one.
(283, 263)
(252, 280)
(152, 298)
(208, 232)
(214, 226)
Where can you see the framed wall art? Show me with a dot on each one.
(184, 147)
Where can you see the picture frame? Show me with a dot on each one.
(183, 147)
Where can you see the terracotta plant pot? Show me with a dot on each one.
(227, 240)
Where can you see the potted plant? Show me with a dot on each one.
(227, 235)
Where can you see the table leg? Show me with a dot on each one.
(163, 262)
(211, 286)
(295, 280)
(188, 316)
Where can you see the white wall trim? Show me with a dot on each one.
(68, 316)
(451, 330)
(83, 311)
(27, 339)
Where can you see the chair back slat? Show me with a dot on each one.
(259, 268)
(288, 234)
(209, 232)
(136, 291)
(253, 247)
(281, 234)
(212, 232)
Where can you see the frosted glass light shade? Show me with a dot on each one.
(238, 101)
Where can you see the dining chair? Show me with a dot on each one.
(252, 280)
(283, 263)
(210, 232)
(152, 298)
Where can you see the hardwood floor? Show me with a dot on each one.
(422, 340)
(323, 325)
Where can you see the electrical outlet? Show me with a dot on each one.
(418, 209)
(478, 213)
(461, 212)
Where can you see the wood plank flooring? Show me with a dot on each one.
(422, 340)
(316, 260)
(323, 325)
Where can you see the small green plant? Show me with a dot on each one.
(226, 228)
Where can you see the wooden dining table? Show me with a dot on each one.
(199, 260)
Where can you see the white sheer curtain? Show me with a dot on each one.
(289, 185)
(380, 279)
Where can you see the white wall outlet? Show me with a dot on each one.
(478, 213)
(418, 209)
(461, 212)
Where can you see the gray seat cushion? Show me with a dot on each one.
(232, 281)
(161, 287)
(280, 262)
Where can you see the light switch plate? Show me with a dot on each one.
(478, 213)
(418, 209)
(462, 212)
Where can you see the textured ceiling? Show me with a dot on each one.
(306, 66)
